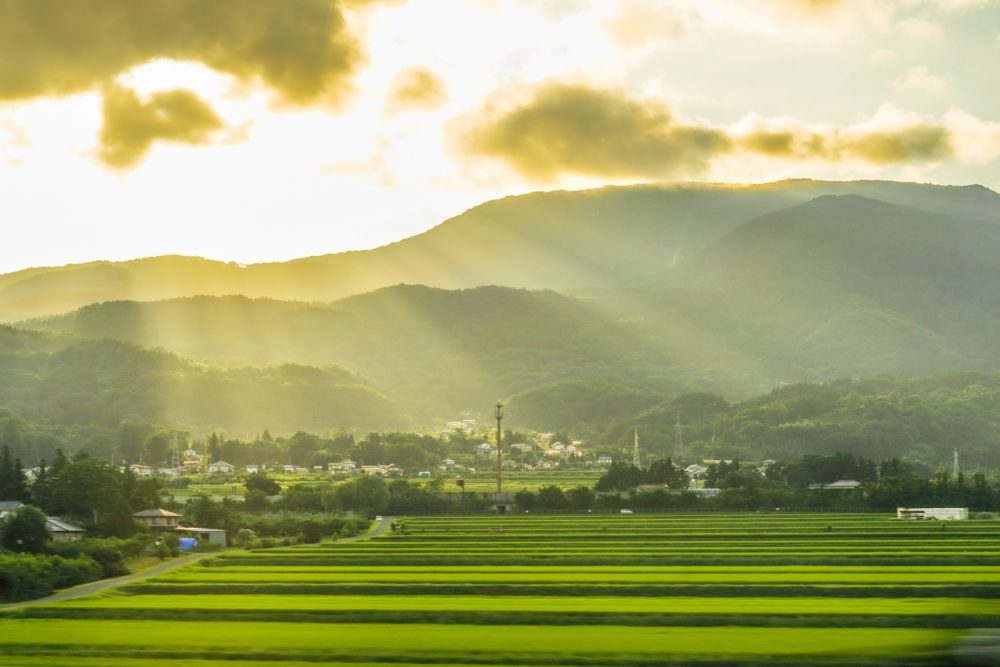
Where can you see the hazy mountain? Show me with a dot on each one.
(690, 288)
(609, 237)
(436, 351)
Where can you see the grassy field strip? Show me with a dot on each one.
(649, 605)
(443, 640)
(216, 565)
(587, 578)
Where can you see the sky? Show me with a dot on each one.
(249, 130)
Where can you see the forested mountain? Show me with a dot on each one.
(75, 382)
(840, 285)
(436, 351)
(645, 302)
(611, 237)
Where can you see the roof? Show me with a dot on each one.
(57, 525)
(9, 505)
(156, 512)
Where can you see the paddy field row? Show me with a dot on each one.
(594, 590)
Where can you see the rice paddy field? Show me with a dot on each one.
(594, 590)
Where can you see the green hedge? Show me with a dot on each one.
(25, 577)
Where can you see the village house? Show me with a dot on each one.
(63, 531)
(345, 467)
(221, 466)
(140, 470)
(605, 461)
(253, 469)
(158, 519)
(8, 506)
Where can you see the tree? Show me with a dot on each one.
(12, 480)
(581, 498)
(366, 494)
(551, 498)
(259, 481)
(156, 448)
(25, 530)
(525, 499)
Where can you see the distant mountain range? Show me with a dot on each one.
(657, 289)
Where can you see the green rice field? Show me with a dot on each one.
(589, 590)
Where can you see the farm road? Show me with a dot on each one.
(104, 584)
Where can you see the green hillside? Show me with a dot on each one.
(72, 382)
(436, 351)
(608, 237)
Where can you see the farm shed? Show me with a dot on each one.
(205, 535)
(945, 513)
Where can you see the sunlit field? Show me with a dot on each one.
(569, 590)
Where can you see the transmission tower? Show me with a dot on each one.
(678, 440)
(175, 455)
(635, 449)
(955, 469)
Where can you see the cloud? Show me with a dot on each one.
(640, 23)
(300, 48)
(918, 79)
(131, 125)
(576, 129)
(890, 137)
(583, 130)
(417, 88)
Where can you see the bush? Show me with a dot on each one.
(312, 531)
(25, 577)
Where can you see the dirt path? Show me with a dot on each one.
(97, 586)
(104, 584)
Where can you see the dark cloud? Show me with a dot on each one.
(417, 88)
(131, 125)
(578, 129)
(300, 48)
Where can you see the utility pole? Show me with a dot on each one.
(635, 449)
(499, 416)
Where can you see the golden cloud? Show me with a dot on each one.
(417, 88)
(583, 130)
(575, 129)
(300, 48)
(903, 141)
(131, 125)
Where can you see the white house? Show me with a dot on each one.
(140, 470)
(604, 460)
(221, 466)
(253, 469)
(345, 467)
